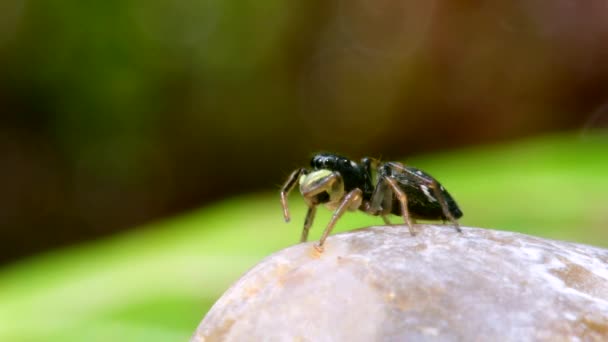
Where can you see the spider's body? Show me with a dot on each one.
(341, 184)
(422, 201)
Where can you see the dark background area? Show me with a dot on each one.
(116, 113)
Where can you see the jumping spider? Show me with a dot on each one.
(341, 184)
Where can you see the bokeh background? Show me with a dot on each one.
(116, 115)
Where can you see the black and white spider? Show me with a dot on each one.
(342, 184)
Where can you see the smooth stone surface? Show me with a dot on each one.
(381, 284)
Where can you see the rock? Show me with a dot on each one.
(380, 283)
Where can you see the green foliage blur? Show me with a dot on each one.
(156, 283)
(116, 113)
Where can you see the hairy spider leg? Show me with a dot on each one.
(310, 216)
(403, 201)
(286, 189)
(321, 186)
(381, 201)
(373, 208)
(444, 206)
(369, 163)
(349, 199)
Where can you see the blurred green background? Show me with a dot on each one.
(120, 119)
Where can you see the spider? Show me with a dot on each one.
(342, 184)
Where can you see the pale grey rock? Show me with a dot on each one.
(381, 284)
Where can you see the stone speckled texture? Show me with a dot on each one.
(381, 284)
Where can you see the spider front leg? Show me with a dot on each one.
(286, 189)
(310, 216)
(352, 201)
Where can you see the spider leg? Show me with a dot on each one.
(403, 200)
(381, 201)
(435, 187)
(347, 202)
(310, 216)
(369, 163)
(444, 206)
(286, 189)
